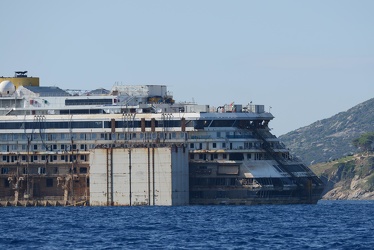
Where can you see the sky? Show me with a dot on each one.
(304, 60)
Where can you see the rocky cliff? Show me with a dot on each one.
(331, 138)
(351, 177)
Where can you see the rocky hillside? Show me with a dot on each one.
(331, 138)
(351, 177)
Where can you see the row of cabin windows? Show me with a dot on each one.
(36, 147)
(50, 158)
(42, 170)
(229, 156)
(90, 136)
(41, 123)
(48, 183)
(224, 145)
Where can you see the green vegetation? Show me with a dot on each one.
(365, 141)
(342, 171)
(369, 185)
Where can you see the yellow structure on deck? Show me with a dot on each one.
(20, 79)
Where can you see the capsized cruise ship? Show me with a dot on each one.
(134, 145)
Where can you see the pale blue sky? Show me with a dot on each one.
(308, 60)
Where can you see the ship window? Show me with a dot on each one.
(220, 181)
(83, 170)
(41, 170)
(4, 170)
(49, 182)
(88, 102)
(232, 181)
(222, 123)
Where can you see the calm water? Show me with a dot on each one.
(328, 225)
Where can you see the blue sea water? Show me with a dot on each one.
(327, 225)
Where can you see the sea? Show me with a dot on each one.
(327, 225)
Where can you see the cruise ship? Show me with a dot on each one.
(135, 145)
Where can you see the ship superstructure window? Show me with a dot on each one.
(6, 183)
(41, 170)
(236, 157)
(4, 170)
(49, 182)
(88, 102)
